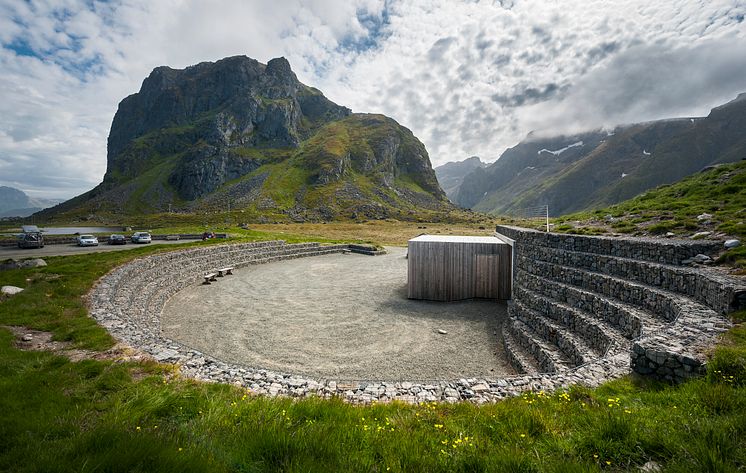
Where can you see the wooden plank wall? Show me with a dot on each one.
(451, 271)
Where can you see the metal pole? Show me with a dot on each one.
(547, 218)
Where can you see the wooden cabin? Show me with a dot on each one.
(452, 268)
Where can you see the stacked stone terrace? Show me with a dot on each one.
(580, 302)
(128, 302)
(585, 310)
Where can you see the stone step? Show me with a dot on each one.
(627, 319)
(548, 357)
(715, 290)
(665, 305)
(571, 345)
(279, 256)
(598, 334)
(517, 355)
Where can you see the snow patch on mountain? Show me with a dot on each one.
(561, 150)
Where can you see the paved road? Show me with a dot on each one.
(14, 252)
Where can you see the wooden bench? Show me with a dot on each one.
(225, 271)
(209, 277)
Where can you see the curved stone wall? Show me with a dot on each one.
(580, 300)
(572, 320)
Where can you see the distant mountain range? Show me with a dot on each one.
(451, 175)
(237, 134)
(16, 203)
(600, 168)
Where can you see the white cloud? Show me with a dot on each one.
(468, 77)
(640, 83)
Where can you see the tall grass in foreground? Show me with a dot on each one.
(89, 416)
(92, 416)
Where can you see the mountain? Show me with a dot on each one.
(597, 169)
(451, 175)
(237, 134)
(16, 203)
(709, 204)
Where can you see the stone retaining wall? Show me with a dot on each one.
(630, 295)
(667, 251)
(594, 334)
(128, 302)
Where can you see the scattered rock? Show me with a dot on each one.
(732, 243)
(699, 259)
(670, 234)
(480, 388)
(166, 354)
(699, 235)
(650, 467)
(441, 331)
(11, 290)
(704, 217)
(33, 263)
(27, 338)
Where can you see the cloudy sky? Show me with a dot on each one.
(468, 77)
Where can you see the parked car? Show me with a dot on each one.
(141, 237)
(87, 240)
(31, 237)
(117, 240)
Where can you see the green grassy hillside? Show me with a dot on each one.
(711, 201)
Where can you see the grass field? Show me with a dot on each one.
(113, 415)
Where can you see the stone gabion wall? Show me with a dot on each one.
(599, 344)
(715, 290)
(645, 249)
(128, 302)
(621, 296)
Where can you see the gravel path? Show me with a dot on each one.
(342, 316)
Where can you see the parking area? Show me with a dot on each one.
(8, 252)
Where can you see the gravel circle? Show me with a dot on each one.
(340, 316)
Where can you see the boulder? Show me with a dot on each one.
(732, 243)
(33, 263)
(699, 235)
(11, 290)
(700, 259)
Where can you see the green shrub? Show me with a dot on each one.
(660, 228)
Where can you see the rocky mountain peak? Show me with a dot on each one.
(239, 132)
(280, 67)
(235, 101)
